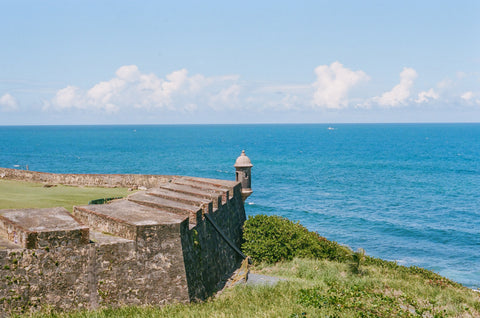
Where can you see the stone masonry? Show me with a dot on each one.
(154, 247)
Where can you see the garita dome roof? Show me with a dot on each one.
(243, 161)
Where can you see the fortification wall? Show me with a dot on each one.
(32, 278)
(208, 257)
(157, 248)
(97, 274)
(92, 180)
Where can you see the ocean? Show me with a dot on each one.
(403, 192)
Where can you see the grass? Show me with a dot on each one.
(321, 288)
(21, 194)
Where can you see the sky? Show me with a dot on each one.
(88, 62)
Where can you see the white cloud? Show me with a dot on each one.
(401, 92)
(131, 88)
(425, 96)
(67, 97)
(467, 95)
(129, 73)
(8, 103)
(333, 84)
(226, 98)
(471, 98)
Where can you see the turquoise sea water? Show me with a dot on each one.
(404, 192)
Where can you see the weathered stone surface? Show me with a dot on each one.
(31, 278)
(94, 180)
(206, 186)
(7, 244)
(163, 203)
(187, 210)
(155, 248)
(218, 197)
(122, 217)
(208, 257)
(37, 228)
(182, 198)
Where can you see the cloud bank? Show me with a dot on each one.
(8, 103)
(180, 92)
(132, 88)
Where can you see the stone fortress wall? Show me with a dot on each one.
(90, 180)
(174, 242)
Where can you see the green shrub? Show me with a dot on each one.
(273, 238)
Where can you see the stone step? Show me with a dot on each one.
(104, 238)
(217, 196)
(122, 218)
(212, 182)
(226, 191)
(194, 212)
(205, 204)
(42, 228)
(204, 185)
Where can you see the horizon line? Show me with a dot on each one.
(242, 124)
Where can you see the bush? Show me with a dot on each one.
(271, 239)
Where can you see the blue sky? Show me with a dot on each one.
(167, 62)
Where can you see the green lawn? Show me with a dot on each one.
(20, 194)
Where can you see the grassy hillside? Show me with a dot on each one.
(20, 194)
(329, 280)
(321, 288)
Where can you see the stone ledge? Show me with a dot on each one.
(99, 238)
(92, 180)
(122, 217)
(218, 197)
(179, 197)
(7, 244)
(41, 228)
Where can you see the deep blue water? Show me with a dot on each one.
(404, 192)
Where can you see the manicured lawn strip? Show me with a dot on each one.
(20, 194)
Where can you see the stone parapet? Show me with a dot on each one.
(91, 180)
(42, 228)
